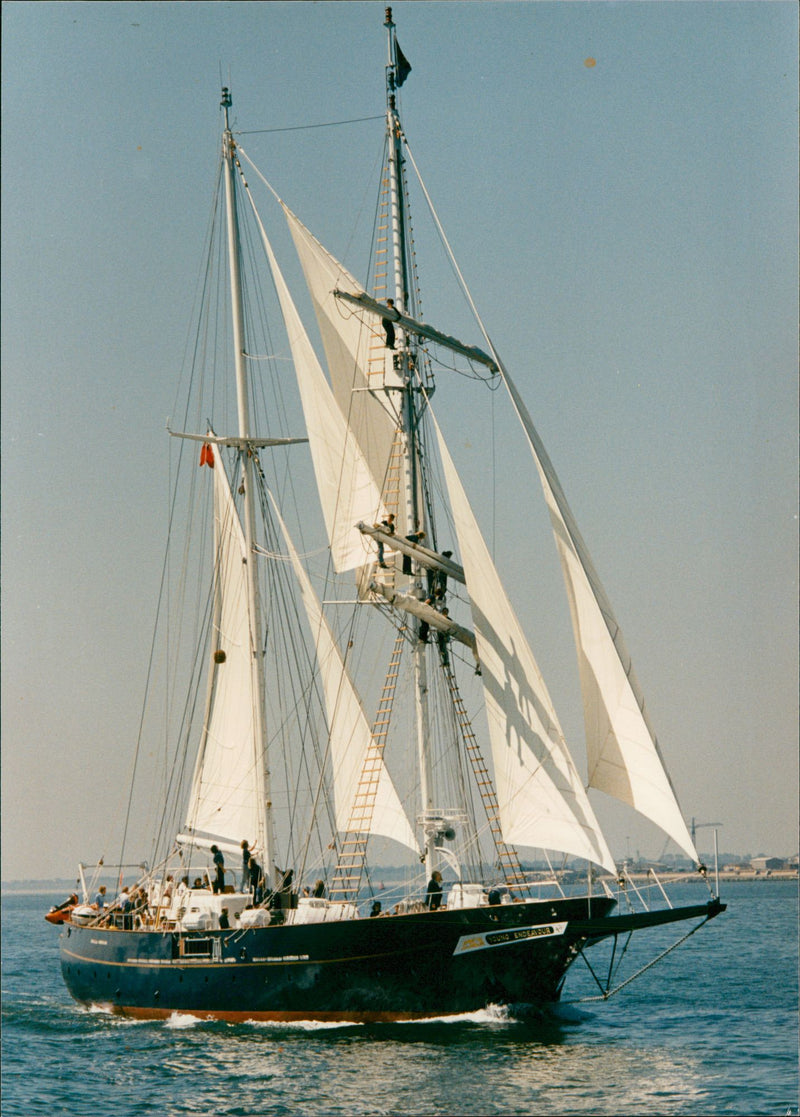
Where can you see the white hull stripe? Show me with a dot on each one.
(490, 939)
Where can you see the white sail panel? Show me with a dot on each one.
(623, 755)
(356, 357)
(541, 797)
(225, 797)
(347, 491)
(350, 735)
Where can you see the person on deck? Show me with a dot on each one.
(256, 881)
(246, 855)
(125, 906)
(219, 865)
(100, 898)
(434, 894)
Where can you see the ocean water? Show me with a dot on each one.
(712, 1029)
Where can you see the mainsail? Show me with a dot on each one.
(226, 800)
(541, 797)
(348, 729)
(623, 755)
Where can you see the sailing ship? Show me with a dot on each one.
(398, 608)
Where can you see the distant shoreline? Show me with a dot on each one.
(745, 875)
(44, 888)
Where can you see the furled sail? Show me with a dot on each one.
(346, 487)
(358, 363)
(348, 729)
(541, 797)
(623, 755)
(226, 800)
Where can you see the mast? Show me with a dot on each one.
(265, 838)
(415, 508)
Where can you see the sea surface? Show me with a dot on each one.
(711, 1029)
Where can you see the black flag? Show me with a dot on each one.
(402, 65)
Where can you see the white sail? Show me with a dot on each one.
(226, 801)
(347, 491)
(356, 357)
(349, 732)
(542, 800)
(623, 755)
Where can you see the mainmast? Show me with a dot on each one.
(264, 839)
(405, 363)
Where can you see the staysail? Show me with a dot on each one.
(226, 800)
(347, 490)
(623, 755)
(541, 797)
(349, 732)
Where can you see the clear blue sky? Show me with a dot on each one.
(629, 232)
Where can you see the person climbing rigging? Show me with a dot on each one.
(387, 525)
(388, 324)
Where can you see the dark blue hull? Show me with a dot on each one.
(388, 968)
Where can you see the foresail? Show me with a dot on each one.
(347, 491)
(623, 755)
(226, 801)
(542, 800)
(349, 732)
(351, 350)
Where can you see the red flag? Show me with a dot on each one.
(207, 456)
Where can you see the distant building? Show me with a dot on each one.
(767, 864)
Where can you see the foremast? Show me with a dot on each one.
(264, 840)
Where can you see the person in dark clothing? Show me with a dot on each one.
(424, 629)
(256, 881)
(443, 640)
(431, 579)
(376, 909)
(434, 895)
(388, 324)
(224, 922)
(441, 580)
(246, 855)
(219, 865)
(415, 537)
(388, 526)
